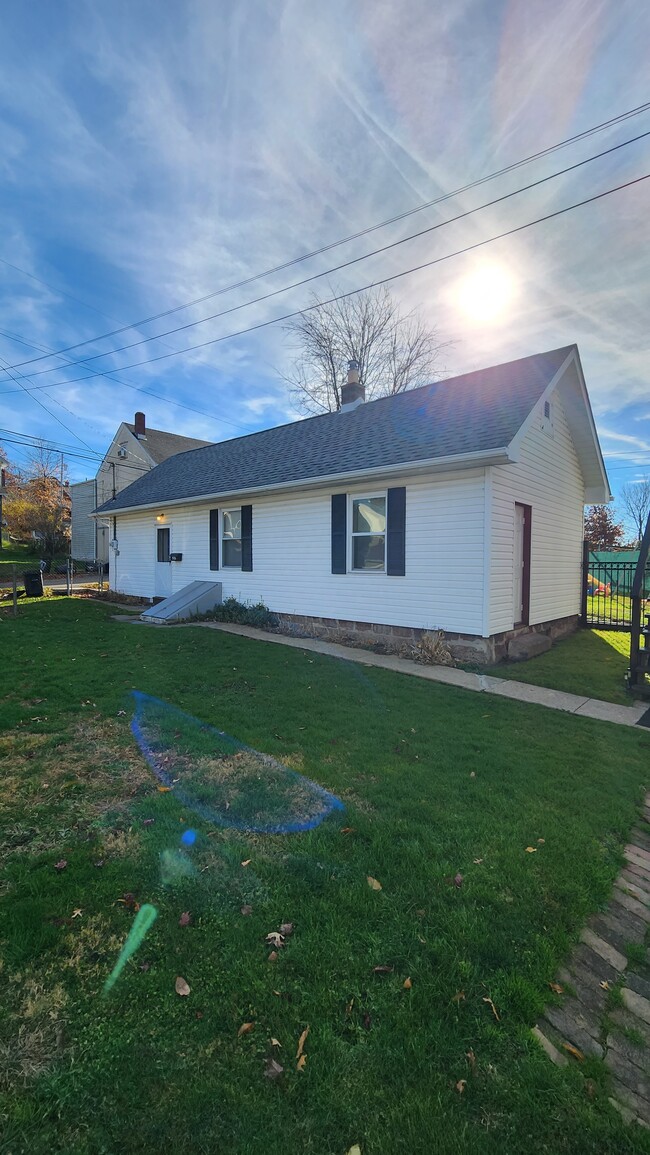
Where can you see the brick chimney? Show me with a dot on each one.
(139, 424)
(353, 392)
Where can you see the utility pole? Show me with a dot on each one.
(2, 490)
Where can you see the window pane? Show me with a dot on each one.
(231, 552)
(369, 515)
(163, 545)
(368, 552)
(232, 523)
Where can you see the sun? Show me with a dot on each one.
(486, 294)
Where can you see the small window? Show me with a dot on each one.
(368, 533)
(231, 538)
(163, 537)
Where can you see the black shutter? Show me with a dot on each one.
(339, 532)
(214, 539)
(247, 538)
(396, 532)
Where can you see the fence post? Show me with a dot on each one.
(13, 571)
(585, 574)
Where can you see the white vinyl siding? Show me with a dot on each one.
(548, 478)
(442, 587)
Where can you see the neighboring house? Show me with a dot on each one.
(457, 506)
(134, 450)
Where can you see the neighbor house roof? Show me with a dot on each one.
(469, 418)
(160, 445)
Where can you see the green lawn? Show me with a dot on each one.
(436, 782)
(589, 662)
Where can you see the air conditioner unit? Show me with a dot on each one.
(121, 451)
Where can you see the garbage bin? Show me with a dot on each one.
(33, 584)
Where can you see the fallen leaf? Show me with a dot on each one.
(382, 970)
(247, 862)
(460, 1085)
(473, 774)
(573, 1051)
(349, 1006)
(276, 1043)
(301, 1042)
(198, 1014)
(531, 850)
(148, 821)
(556, 988)
(347, 830)
(129, 901)
(276, 993)
(246, 909)
(77, 913)
(300, 1065)
(356, 1150)
(273, 956)
(181, 986)
(185, 918)
(605, 985)
(541, 841)
(477, 861)
(458, 880)
(420, 913)
(61, 865)
(471, 1059)
(164, 789)
(273, 1070)
(120, 713)
(459, 997)
(145, 966)
(373, 884)
(273, 938)
(245, 1029)
(100, 862)
(493, 1008)
(286, 930)
(407, 984)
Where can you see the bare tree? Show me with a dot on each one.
(635, 499)
(394, 350)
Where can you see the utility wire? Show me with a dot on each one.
(372, 284)
(44, 406)
(353, 260)
(110, 376)
(352, 236)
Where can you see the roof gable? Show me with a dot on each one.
(465, 418)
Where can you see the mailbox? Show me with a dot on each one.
(175, 557)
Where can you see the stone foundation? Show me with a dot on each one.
(467, 648)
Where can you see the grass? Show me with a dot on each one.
(435, 780)
(589, 662)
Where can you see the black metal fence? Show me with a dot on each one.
(606, 595)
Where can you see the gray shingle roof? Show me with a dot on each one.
(161, 445)
(462, 415)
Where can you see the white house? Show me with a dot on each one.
(457, 506)
(134, 450)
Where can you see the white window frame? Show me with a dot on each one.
(224, 512)
(352, 497)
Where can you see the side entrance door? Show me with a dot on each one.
(521, 563)
(163, 580)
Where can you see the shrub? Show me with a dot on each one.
(232, 610)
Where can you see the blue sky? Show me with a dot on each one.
(154, 153)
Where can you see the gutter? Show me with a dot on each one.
(500, 456)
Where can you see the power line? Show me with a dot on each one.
(44, 406)
(351, 237)
(110, 376)
(372, 284)
(345, 264)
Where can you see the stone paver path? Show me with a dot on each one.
(586, 1018)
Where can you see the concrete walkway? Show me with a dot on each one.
(479, 683)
